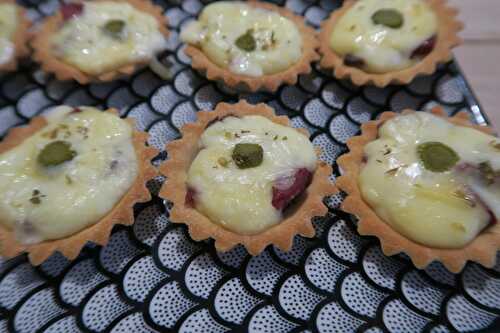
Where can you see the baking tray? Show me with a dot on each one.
(153, 277)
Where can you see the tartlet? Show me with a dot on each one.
(73, 184)
(444, 183)
(248, 54)
(121, 36)
(14, 35)
(240, 202)
(389, 46)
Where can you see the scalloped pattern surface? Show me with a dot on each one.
(153, 278)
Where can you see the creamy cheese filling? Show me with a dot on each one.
(445, 208)
(8, 26)
(103, 36)
(41, 201)
(380, 48)
(241, 199)
(247, 40)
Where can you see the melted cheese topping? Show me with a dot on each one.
(278, 41)
(430, 207)
(41, 203)
(241, 199)
(83, 43)
(8, 26)
(384, 49)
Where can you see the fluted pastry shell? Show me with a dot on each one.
(447, 38)
(98, 233)
(20, 39)
(272, 82)
(482, 249)
(51, 64)
(183, 151)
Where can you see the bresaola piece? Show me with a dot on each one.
(284, 190)
(190, 195)
(288, 188)
(70, 10)
(485, 195)
(353, 61)
(425, 48)
(420, 52)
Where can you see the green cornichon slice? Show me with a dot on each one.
(247, 155)
(389, 17)
(437, 157)
(246, 42)
(114, 28)
(56, 153)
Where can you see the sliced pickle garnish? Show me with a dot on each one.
(437, 157)
(114, 29)
(246, 42)
(56, 153)
(247, 155)
(389, 17)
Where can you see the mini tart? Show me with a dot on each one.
(266, 82)
(19, 39)
(446, 38)
(182, 152)
(99, 232)
(482, 249)
(43, 50)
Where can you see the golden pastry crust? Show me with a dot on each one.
(183, 151)
(447, 38)
(97, 233)
(482, 249)
(43, 50)
(270, 82)
(20, 38)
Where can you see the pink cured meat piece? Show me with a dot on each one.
(190, 194)
(425, 48)
(288, 188)
(284, 190)
(70, 10)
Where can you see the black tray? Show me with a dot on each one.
(153, 277)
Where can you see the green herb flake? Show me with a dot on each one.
(284, 138)
(36, 197)
(228, 135)
(246, 42)
(437, 157)
(392, 172)
(223, 162)
(35, 200)
(68, 179)
(275, 138)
